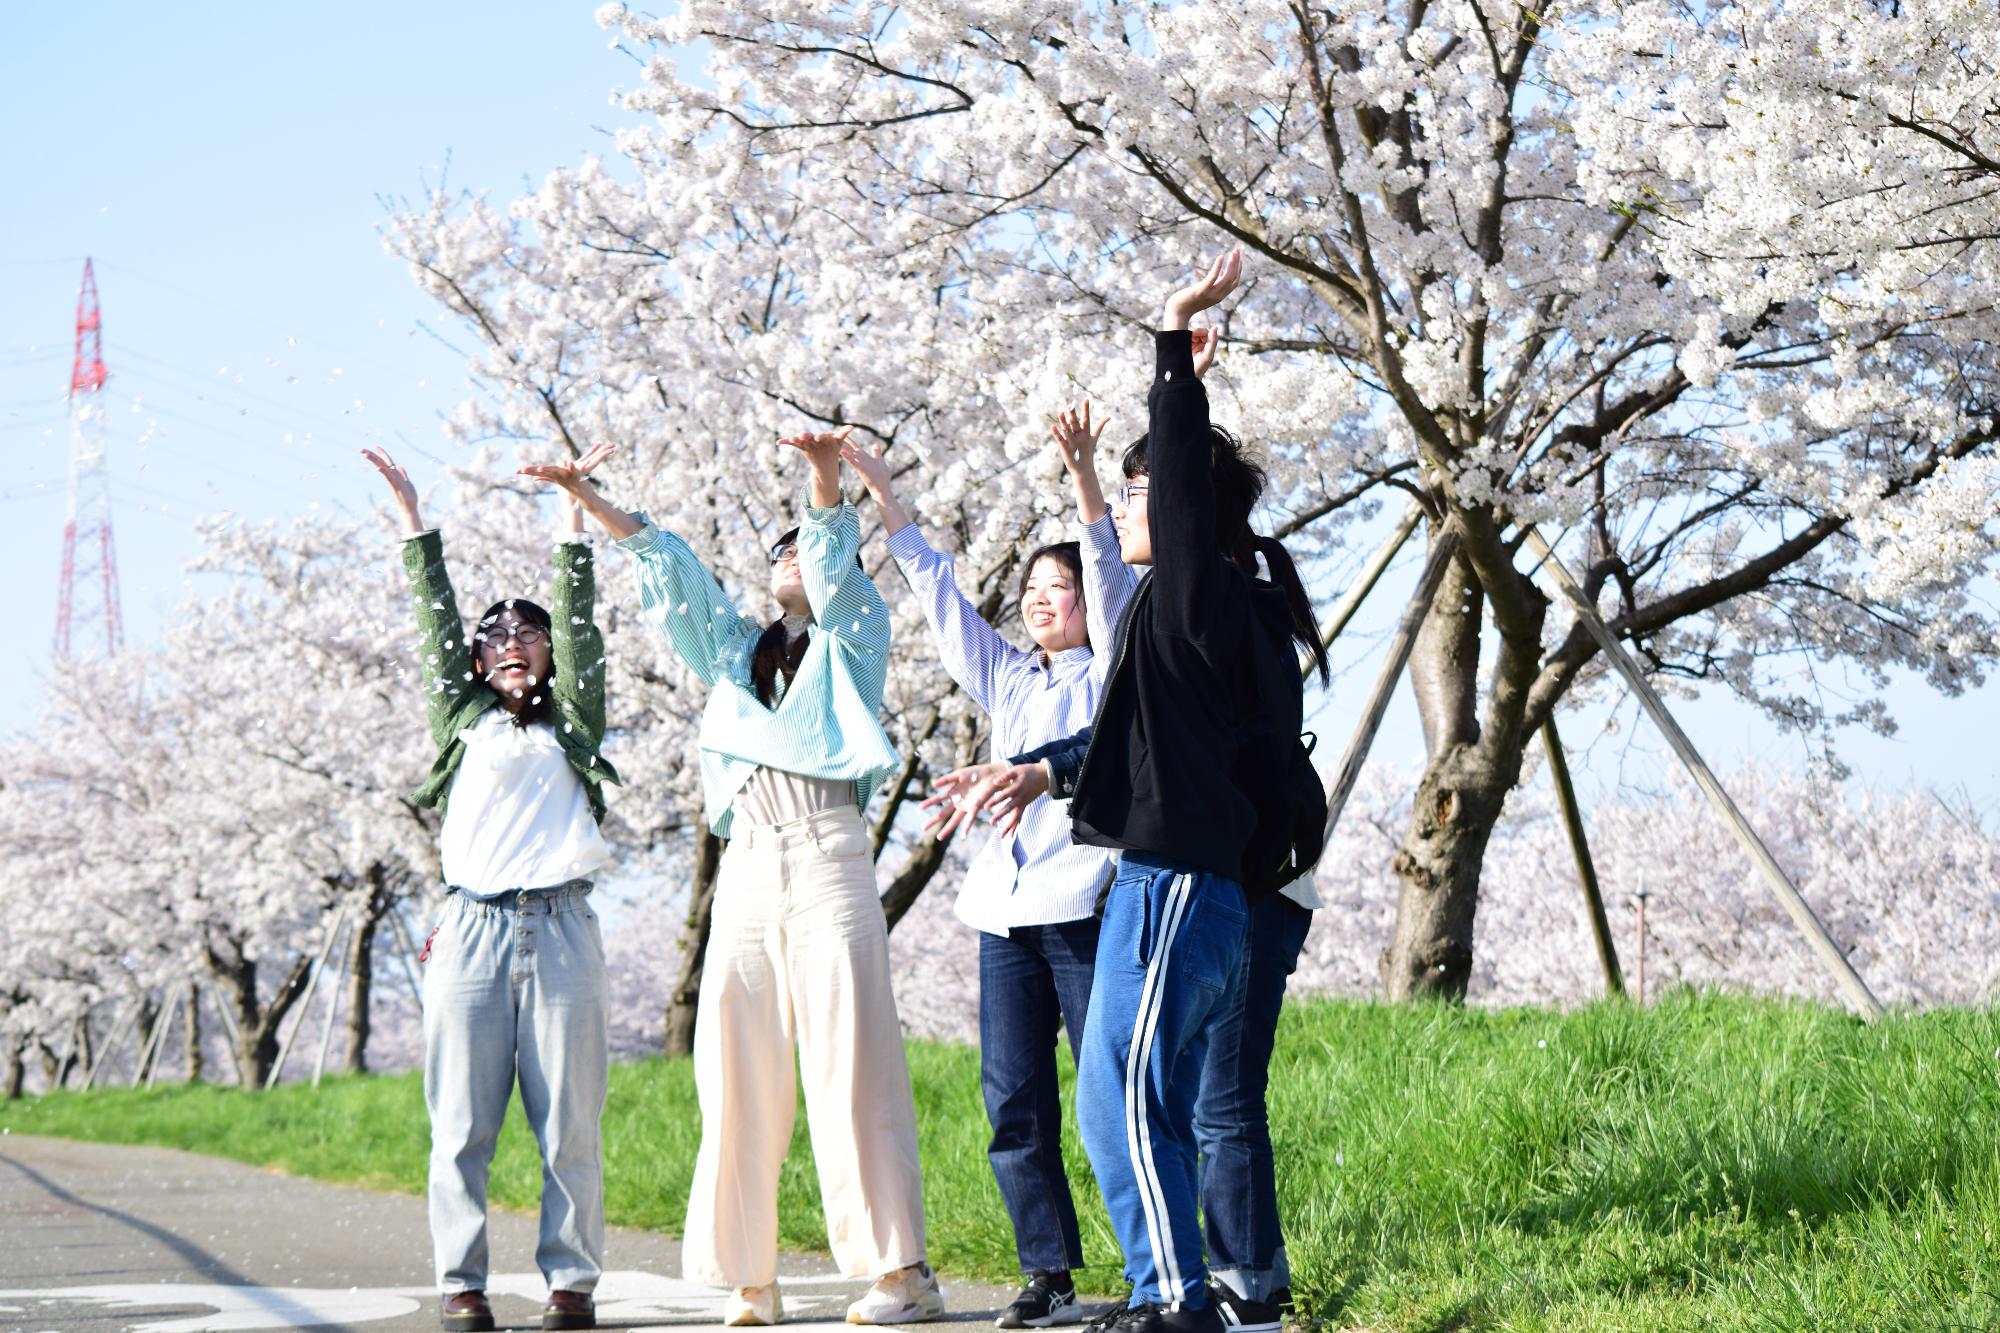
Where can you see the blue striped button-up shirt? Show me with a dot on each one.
(1037, 876)
(825, 723)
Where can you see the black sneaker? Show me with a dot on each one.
(1175, 1319)
(1119, 1318)
(1242, 1315)
(1048, 1299)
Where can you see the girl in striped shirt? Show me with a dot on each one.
(798, 951)
(1030, 892)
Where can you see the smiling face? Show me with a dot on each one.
(511, 653)
(788, 588)
(1052, 606)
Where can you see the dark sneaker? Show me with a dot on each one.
(466, 1312)
(1163, 1319)
(1241, 1315)
(1048, 1299)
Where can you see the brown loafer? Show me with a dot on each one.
(466, 1312)
(569, 1309)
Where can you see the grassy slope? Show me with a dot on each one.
(1710, 1162)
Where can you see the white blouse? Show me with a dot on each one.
(517, 817)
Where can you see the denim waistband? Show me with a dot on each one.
(564, 897)
(794, 832)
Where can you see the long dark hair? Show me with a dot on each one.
(540, 705)
(1239, 484)
(774, 652)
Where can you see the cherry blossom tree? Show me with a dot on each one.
(1515, 262)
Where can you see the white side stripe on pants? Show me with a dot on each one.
(1138, 1134)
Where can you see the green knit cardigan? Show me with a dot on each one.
(455, 700)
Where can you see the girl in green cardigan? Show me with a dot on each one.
(514, 978)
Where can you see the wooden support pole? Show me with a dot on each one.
(1371, 574)
(333, 1000)
(406, 951)
(146, 1047)
(305, 1001)
(1586, 871)
(121, 1024)
(229, 1032)
(1774, 876)
(1385, 681)
(160, 1030)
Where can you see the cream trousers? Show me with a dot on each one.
(798, 953)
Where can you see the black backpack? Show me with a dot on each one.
(1275, 770)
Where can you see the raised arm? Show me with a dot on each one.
(845, 602)
(676, 591)
(971, 649)
(446, 657)
(1108, 582)
(1189, 571)
(577, 645)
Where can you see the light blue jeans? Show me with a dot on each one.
(514, 986)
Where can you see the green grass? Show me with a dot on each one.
(1709, 1163)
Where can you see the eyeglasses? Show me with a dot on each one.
(525, 635)
(1130, 492)
(784, 551)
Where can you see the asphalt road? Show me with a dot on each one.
(94, 1236)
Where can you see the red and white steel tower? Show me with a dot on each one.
(88, 620)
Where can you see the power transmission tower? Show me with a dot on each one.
(88, 619)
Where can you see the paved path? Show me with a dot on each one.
(94, 1236)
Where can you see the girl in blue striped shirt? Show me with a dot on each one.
(1031, 892)
(798, 951)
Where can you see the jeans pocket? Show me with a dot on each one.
(1215, 931)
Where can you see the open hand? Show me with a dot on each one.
(868, 464)
(1207, 290)
(819, 447)
(399, 486)
(1077, 438)
(1000, 789)
(571, 476)
(1207, 342)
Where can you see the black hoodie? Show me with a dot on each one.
(1203, 701)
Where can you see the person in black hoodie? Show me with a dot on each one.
(1193, 769)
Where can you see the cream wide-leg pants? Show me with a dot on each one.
(798, 953)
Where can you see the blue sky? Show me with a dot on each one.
(225, 165)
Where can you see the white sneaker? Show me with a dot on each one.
(753, 1307)
(906, 1296)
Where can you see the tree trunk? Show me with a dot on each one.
(257, 1025)
(911, 880)
(686, 996)
(197, 1064)
(51, 1066)
(1471, 763)
(1456, 806)
(16, 1072)
(1430, 953)
(84, 1054)
(361, 981)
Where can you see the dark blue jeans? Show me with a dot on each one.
(1028, 980)
(1168, 961)
(1239, 1192)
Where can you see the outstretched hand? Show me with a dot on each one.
(822, 450)
(1077, 438)
(1207, 290)
(819, 447)
(868, 464)
(571, 476)
(1000, 789)
(399, 486)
